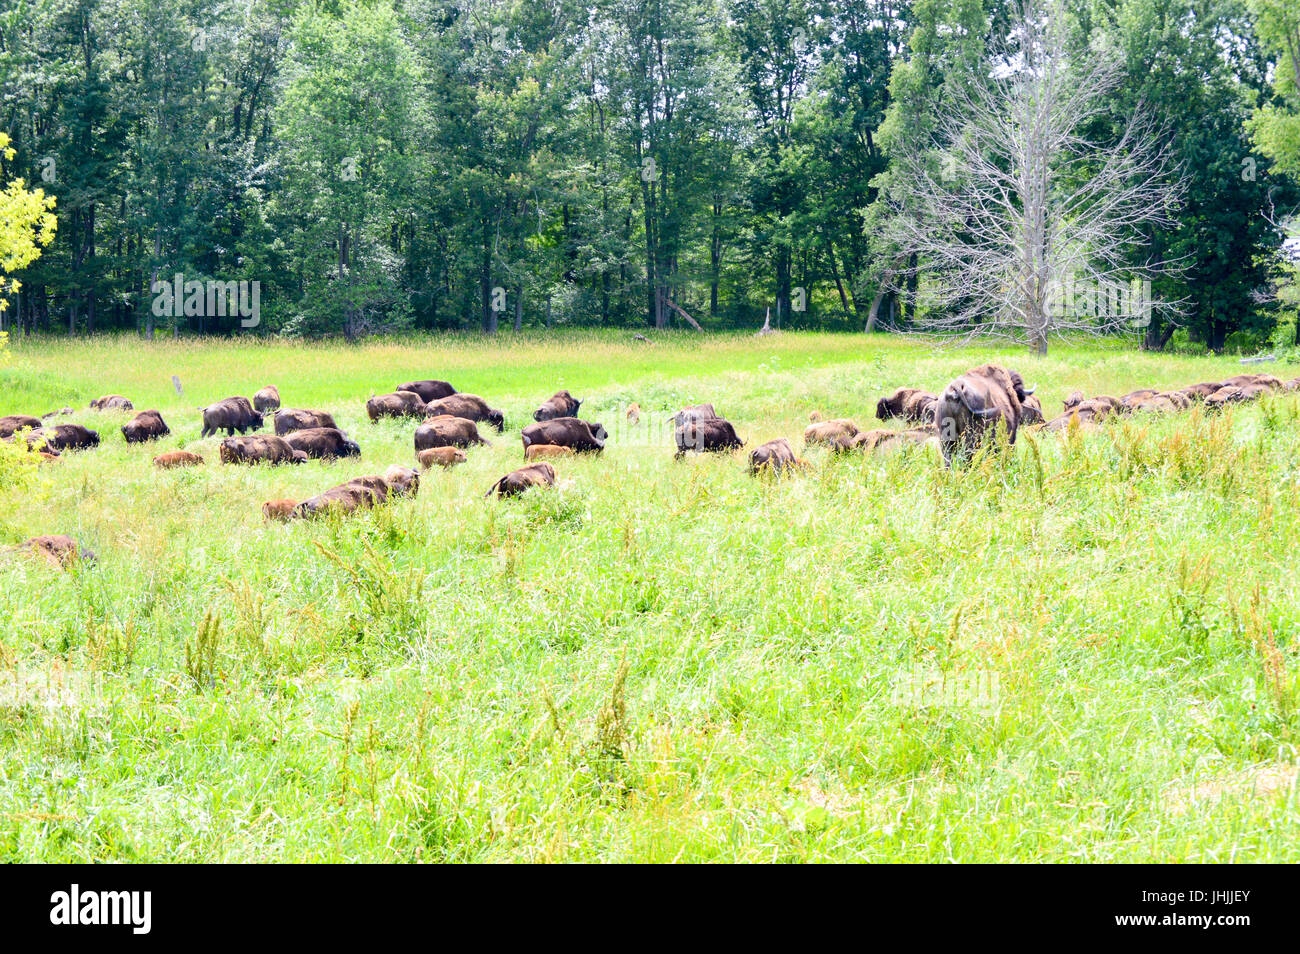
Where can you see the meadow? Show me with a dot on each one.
(657, 660)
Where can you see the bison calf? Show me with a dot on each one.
(441, 457)
(279, 509)
(177, 458)
(541, 451)
(58, 550)
(837, 434)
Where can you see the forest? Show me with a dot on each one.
(388, 166)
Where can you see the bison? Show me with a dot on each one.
(260, 449)
(145, 426)
(517, 481)
(441, 457)
(1032, 411)
(290, 420)
(1199, 392)
(428, 390)
(58, 550)
(63, 437)
(444, 430)
(633, 414)
(776, 456)
(540, 451)
(883, 439)
(323, 443)
(972, 405)
(561, 404)
(267, 399)
(581, 436)
(281, 509)
(397, 404)
(911, 404)
(230, 415)
(836, 434)
(469, 406)
(1266, 381)
(17, 422)
(176, 458)
(711, 436)
(1236, 394)
(111, 402)
(362, 492)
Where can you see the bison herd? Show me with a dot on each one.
(983, 402)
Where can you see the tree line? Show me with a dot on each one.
(377, 166)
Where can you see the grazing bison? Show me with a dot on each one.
(517, 481)
(58, 550)
(402, 481)
(428, 390)
(836, 434)
(260, 449)
(561, 404)
(1031, 411)
(17, 422)
(582, 436)
(397, 404)
(323, 443)
(541, 451)
(63, 437)
(441, 457)
(971, 406)
(230, 415)
(1236, 394)
(776, 456)
(290, 420)
(177, 458)
(469, 406)
(111, 402)
(267, 399)
(145, 426)
(444, 430)
(711, 436)
(695, 412)
(911, 404)
(281, 509)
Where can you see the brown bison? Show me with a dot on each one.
(290, 420)
(582, 436)
(1236, 394)
(1267, 381)
(267, 399)
(1162, 403)
(517, 481)
(836, 434)
(58, 550)
(397, 404)
(444, 430)
(1199, 392)
(911, 404)
(972, 405)
(541, 451)
(776, 456)
(145, 426)
(111, 402)
(230, 415)
(260, 449)
(63, 437)
(176, 458)
(634, 414)
(428, 390)
(561, 404)
(17, 422)
(441, 457)
(281, 509)
(1032, 410)
(883, 439)
(323, 443)
(1133, 397)
(362, 493)
(1087, 414)
(695, 412)
(708, 436)
(469, 406)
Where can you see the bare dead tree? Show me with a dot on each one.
(1022, 225)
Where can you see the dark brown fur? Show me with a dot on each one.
(444, 430)
(145, 426)
(469, 406)
(582, 436)
(516, 482)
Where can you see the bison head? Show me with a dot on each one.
(497, 420)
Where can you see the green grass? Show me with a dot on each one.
(658, 661)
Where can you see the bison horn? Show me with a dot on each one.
(1029, 391)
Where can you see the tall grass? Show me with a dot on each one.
(658, 660)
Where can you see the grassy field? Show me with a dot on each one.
(658, 661)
